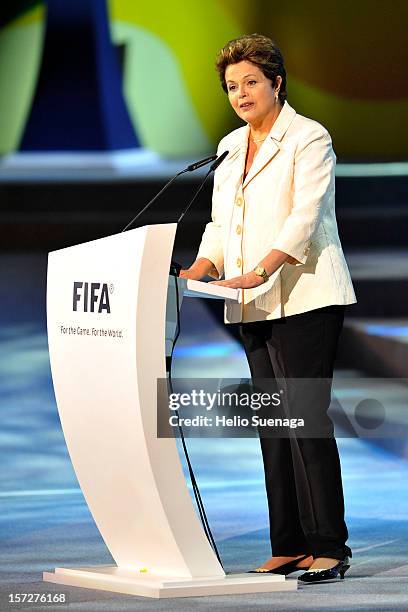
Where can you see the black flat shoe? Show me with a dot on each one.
(327, 574)
(284, 569)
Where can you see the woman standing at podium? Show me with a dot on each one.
(274, 235)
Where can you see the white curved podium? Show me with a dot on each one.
(106, 317)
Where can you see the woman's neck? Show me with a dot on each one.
(260, 130)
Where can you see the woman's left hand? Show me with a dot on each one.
(246, 281)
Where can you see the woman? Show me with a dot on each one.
(274, 235)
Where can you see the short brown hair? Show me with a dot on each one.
(260, 51)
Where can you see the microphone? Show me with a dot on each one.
(218, 161)
(213, 167)
(190, 168)
(176, 267)
(200, 163)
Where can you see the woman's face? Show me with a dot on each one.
(250, 92)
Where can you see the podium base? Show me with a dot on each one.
(117, 580)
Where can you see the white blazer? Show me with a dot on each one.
(286, 202)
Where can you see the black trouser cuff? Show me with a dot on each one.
(334, 553)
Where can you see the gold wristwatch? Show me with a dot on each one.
(260, 271)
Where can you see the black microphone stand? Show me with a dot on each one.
(213, 167)
(176, 267)
(189, 168)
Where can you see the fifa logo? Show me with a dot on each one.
(90, 297)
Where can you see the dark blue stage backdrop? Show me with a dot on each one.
(78, 104)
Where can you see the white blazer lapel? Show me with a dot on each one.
(271, 145)
(267, 152)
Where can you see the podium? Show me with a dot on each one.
(106, 318)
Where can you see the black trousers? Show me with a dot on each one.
(302, 475)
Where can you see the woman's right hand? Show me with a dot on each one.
(190, 273)
(200, 268)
